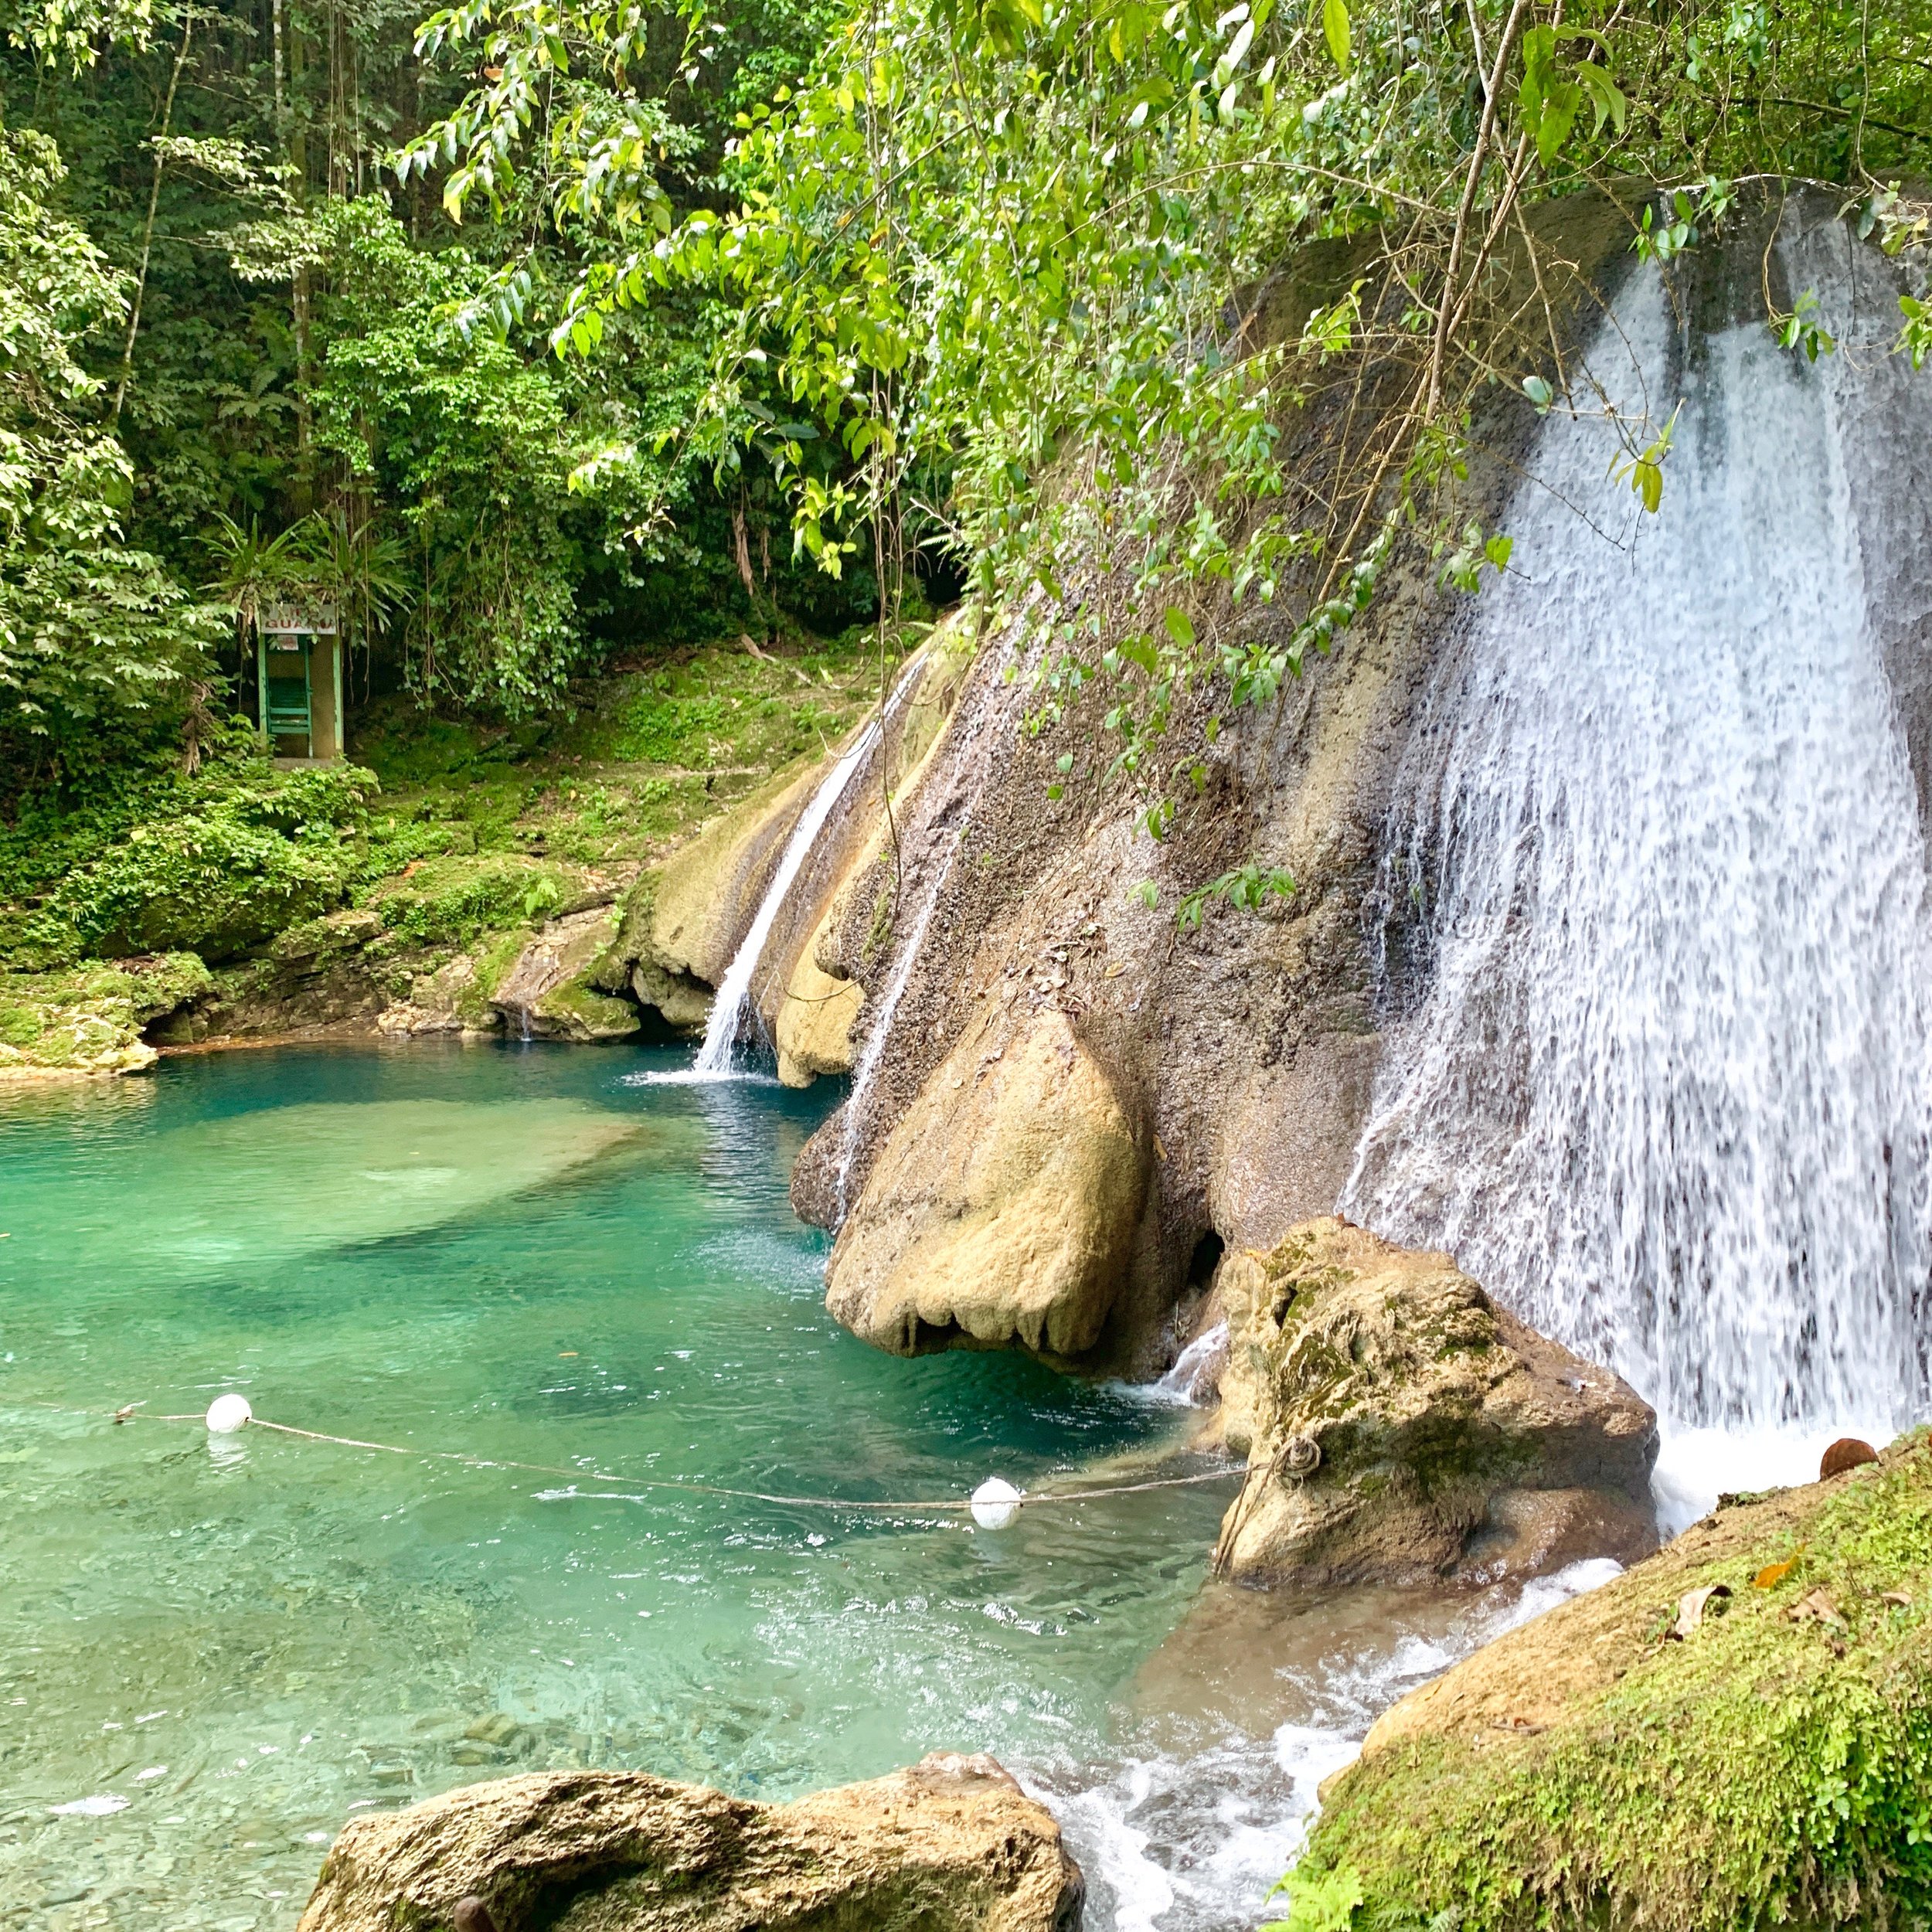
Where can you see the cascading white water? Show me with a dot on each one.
(1666, 1092)
(716, 1054)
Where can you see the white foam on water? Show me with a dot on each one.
(1194, 1381)
(700, 1076)
(1695, 1467)
(1195, 1842)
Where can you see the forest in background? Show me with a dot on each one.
(549, 339)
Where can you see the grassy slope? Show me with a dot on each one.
(453, 836)
(1774, 1767)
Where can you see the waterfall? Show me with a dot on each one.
(1664, 1088)
(727, 1010)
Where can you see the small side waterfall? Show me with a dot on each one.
(716, 1054)
(1666, 1090)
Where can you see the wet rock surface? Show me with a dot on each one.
(547, 994)
(951, 1844)
(1402, 1428)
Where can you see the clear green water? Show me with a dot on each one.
(524, 1254)
(219, 1648)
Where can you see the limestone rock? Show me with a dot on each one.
(1002, 1208)
(705, 899)
(950, 1846)
(683, 1003)
(1588, 1769)
(815, 1021)
(546, 993)
(1401, 1427)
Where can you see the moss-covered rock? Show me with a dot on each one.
(548, 992)
(1400, 1427)
(453, 900)
(1773, 1766)
(89, 1019)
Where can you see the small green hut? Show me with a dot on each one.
(299, 660)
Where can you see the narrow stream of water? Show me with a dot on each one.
(213, 1651)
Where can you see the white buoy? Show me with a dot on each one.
(995, 1503)
(228, 1413)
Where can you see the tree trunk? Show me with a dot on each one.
(148, 234)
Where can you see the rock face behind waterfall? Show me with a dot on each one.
(1402, 1428)
(1244, 1055)
(1733, 1733)
(950, 1846)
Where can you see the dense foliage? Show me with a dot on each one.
(1004, 258)
(536, 331)
(241, 360)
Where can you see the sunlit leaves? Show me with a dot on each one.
(1336, 31)
(1915, 338)
(1643, 470)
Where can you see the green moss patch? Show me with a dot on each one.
(89, 1019)
(1773, 1767)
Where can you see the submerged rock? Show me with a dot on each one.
(1002, 1208)
(1770, 1767)
(950, 1846)
(1401, 1427)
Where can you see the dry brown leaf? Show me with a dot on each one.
(1695, 1605)
(1817, 1606)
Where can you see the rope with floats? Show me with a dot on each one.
(992, 1506)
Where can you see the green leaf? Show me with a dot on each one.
(1179, 627)
(1335, 30)
(1538, 391)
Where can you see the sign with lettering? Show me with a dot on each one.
(298, 620)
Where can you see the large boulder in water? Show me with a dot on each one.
(1733, 1733)
(1001, 1209)
(1400, 1427)
(951, 1845)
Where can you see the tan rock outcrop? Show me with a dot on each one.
(1003, 1207)
(546, 993)
(1401, 1427)
(815, 1023)
(703, 902)
(950, 1846)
